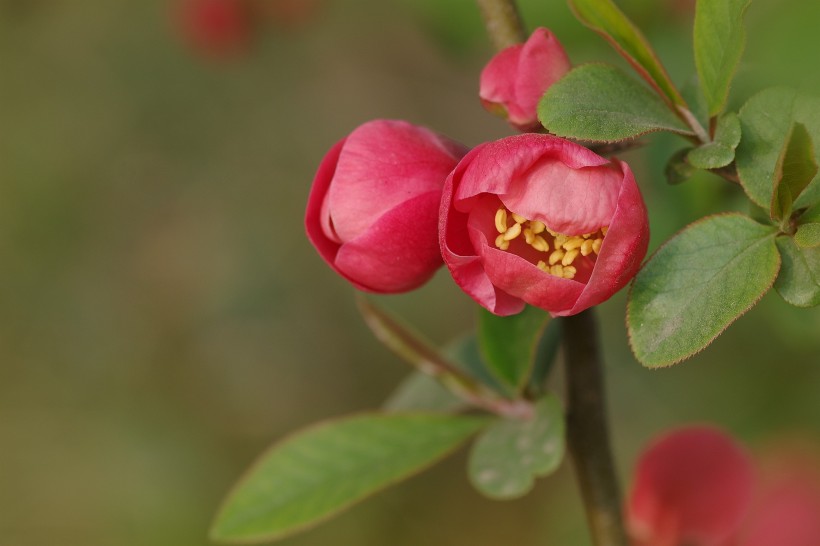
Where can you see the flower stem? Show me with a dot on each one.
(587, 431)
(503, 22)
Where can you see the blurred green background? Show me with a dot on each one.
(163, 318)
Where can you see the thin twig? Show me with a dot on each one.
(503, 22)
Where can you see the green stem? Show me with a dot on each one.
(503, 22)
(587, 431)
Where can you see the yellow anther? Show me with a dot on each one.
(556, 256)
(553, 233)
(529, 236)
(540, 244)
(569, 272)
(560, 240)
(604, 229)
(569, 257)
(572, 243)
(501, 220)
(543, 266)
(518, 218)
(537, 227)
(596, 245)
(557, 270)
(501, 243)
(586, 248)
(513, 232)
(587, 235)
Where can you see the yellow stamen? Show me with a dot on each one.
(518, 218)
(557, 270)
(556, 256)
(513, 232)
(586, 248)
(570, 256)
(543, 266)
(596, 245)
(529, 236)
(501, 243)
(587, 235)
(560, 240)
(501, 220)
(537, 227)
(540, 244)
(604, 230)
(572, 243)
(569, 272)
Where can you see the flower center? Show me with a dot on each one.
(560, 250)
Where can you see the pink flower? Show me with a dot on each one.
(537, 219)
(696, 487)
(216, 28)
(692, 486)
(517, 77)
(373, 209)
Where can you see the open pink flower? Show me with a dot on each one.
(692, 487)
(696, 487)
(373, 210)
(538, 219)
(514, 80)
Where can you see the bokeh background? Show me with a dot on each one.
(163, 318)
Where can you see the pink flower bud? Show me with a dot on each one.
(216, 28)
(516, 78)
(538, 219)
(373, 209)
(692, 487)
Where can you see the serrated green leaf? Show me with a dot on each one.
(795, 169)
(766, 120)
(508, 456)
(697, 284)
(678, 169)
(314, 474)
(808, 235)
(799, 280)
(604, 17)
(719, 42)
(602, 103)
(721, 151)
(509, 343)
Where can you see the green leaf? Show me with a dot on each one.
(795, 169)
(719, 42)
(509, 343)
(508, 456)
(808, 235)
(697, 284)
(545, 356)
(604, 17)
(799, 279)
(314, 474)
(721, 151)
(766, 120)
(601, 103)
